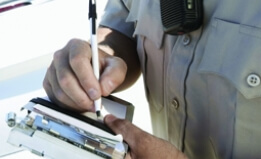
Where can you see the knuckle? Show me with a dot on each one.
(75, 59)
(75, 44)
(73, 41)
(57, 55)
(64, 81)
(59, 95)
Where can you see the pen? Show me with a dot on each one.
(13, 4)
(95, 56)
(7, 8)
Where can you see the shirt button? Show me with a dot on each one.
(186, 40)
(253, 80)
(175, 103)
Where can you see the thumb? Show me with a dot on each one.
(123, 127)
(114, 70)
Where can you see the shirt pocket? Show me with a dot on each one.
(233, 51)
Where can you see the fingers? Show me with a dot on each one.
(57, 94)
(61, 82)
(70, 80)
(53, 90)
(79, 58)
(69, 84)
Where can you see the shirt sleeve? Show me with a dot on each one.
(114, 17)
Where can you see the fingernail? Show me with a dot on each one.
(93, 93)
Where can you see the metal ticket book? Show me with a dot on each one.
(53, 132)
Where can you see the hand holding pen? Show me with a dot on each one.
(71, 81)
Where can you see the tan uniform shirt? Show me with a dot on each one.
(204, 87)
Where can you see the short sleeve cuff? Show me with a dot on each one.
(114, 17)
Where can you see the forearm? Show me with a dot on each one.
(116, 44)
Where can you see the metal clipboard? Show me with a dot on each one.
(53, 132)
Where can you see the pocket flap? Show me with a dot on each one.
(234, 52)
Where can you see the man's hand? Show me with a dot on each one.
(70, 80)
(142, 145)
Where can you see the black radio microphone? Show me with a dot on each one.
(181, 16)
